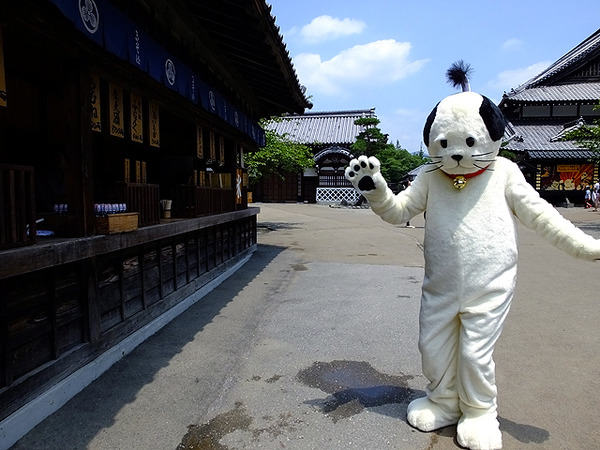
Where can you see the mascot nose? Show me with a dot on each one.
(457, 157)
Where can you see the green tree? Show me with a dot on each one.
(587, 136)
(371, 140)
(280, 155)
(396, 162)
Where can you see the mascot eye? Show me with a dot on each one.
(444, 143)
(470, 141)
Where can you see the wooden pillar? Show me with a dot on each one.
(78, 148)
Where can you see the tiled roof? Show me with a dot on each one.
(560, 154)
(538, 138)
(323, 128)
(578, 54)
(589, 91)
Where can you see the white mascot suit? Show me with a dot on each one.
(472, 197)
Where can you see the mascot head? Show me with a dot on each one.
(463, 132)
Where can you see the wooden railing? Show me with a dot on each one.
(143, 199)
(195, 201)
(17, 206)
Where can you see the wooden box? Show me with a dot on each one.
(117, 223)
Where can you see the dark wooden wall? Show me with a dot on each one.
(55, 320)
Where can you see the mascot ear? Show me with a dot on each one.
(428, 124)
(494, 120)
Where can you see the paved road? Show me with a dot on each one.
(313, 345)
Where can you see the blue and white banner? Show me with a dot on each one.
(107, 26)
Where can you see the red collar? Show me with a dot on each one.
(468, 175)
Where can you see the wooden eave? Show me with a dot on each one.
(238, 45)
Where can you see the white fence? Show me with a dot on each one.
(336, 195)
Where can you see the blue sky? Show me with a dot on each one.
(393, 55)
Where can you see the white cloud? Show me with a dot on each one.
(323, 28)
(512, 44)
(512, 78)
(375, 63)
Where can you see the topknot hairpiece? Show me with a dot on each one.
(458, 75)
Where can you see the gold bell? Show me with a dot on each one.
(459, 182)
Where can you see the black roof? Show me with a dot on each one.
(573, 79)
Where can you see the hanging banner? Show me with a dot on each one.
(199, 142)
(3, 95)
(213, 150)
(221, 151)
(138, 172)
(238, 187)
(109, 27)
(154, 125)
(95, 116)
(115, 102)
(127, 171)
(136, 118)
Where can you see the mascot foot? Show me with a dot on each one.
(480, 432)
(426, 415)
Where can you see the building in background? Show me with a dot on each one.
(543, 110)
(330, 135)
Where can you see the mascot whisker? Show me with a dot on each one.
(473, 198)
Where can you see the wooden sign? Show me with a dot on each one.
(138, 172)
(154, 125)
(95, 116)
(136, 118)
(238, 187)
(213, 150)
(116, 108)
(221, 151)
(199, 142)
(127, 171)
(144, 178)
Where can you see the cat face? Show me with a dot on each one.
(463, 133)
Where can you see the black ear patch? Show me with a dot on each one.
(494, 120)
(428, 124)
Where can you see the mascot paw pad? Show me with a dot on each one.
(360, 172)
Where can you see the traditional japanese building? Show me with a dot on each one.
(546, 107)
(122, 188)
(330, 135)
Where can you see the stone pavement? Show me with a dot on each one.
(312, 344)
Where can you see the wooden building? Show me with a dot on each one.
(546, 107)
(109, 111)
(330, 135)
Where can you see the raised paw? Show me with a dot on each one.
(364, 174)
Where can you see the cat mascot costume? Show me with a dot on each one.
(472, 197)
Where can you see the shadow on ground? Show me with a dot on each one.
(97, 406)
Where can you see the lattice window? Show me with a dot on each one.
(591, 70)
(333, 180)
(337, 195)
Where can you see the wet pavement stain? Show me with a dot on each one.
(207, 436)
(355, 385)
